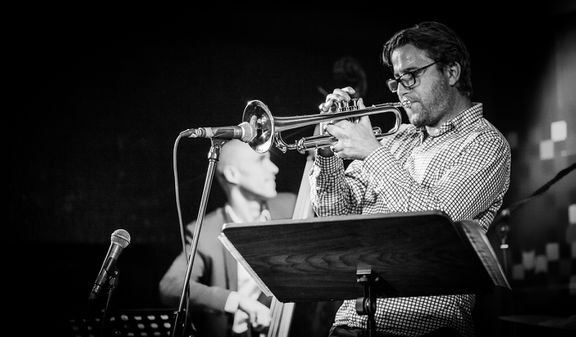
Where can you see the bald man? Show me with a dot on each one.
(223, 297)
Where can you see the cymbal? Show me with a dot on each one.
(567, 323)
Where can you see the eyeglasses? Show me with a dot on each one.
(408, 79)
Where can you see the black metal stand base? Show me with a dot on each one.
(367, 305)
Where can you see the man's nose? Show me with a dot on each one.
(401, 89)
(273, 167)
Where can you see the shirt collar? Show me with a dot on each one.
(264, 214)
(460, 122)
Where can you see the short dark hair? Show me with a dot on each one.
(442, 45)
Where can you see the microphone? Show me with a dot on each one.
(120, 239)
(243, 131)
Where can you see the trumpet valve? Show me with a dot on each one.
(355, 103)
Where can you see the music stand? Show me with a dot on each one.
(405, 254)
(125, 323)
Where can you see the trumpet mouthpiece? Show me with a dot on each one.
(406, 103)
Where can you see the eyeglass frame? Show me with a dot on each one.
(414, 74)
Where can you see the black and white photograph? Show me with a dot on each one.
(398, 169)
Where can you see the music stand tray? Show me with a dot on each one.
(317, 259)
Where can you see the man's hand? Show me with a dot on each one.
(356, 140)
(258, 314)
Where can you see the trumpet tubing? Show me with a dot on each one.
(315, 142)
(269, 128)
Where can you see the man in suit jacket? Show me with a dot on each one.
(223, 297)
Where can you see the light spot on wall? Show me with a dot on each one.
(552, 251)
(546, 149)
(571, 230)
(558, 131)
(528, 259)
(540, 264)
(518, 272)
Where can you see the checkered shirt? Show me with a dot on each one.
(464, 171)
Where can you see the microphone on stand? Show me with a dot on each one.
(120, 239)
(243, 131)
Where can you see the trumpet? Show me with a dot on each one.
(269, 128)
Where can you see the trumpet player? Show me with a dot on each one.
(448, 158)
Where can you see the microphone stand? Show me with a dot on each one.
(99, 307)
(180, 322)
(112, 282)
(501, 220)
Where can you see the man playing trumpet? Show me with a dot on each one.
(449, 158)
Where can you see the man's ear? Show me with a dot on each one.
(230, 174)
(453, 72)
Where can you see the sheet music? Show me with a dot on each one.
(485, 252)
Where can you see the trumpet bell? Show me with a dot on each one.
(257, 114)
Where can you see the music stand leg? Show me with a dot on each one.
(367, 305)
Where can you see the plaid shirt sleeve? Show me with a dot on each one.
(335, 192)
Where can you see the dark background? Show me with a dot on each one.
(99, 99)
